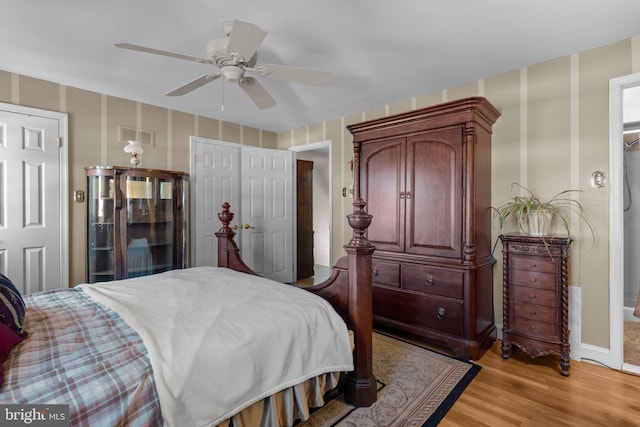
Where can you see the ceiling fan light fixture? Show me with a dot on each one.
(232, 73)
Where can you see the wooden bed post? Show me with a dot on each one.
(228, 251)
(360, 386)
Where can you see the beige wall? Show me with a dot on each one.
(94, 120)
(553, 133)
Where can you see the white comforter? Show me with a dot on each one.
(220, 340)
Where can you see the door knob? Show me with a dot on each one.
(246, 226)
(234, 227)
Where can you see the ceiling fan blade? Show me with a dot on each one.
(161, 52)
(245, 38)
(193, 84)
(257, 92)
(300, 75)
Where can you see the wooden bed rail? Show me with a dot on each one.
(348, 289)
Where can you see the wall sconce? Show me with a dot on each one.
(135, 149)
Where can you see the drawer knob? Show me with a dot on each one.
(532, 296)
(440, 313)
(533, 280)
(374, 272)
(533, 313)
(429, 281)
(532, 327)
(533, 264)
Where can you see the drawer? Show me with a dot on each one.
(543, 265)
(535, 312)
(533, 279)
(534, 296)
(385, 273)
(415, 310)
(535, 249)
(533, 327)
(433, 281)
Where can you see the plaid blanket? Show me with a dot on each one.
(79, 352)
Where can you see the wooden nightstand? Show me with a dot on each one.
(536, 296)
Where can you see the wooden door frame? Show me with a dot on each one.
(615, 357)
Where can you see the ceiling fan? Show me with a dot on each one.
(235, 54)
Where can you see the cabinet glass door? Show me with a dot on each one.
(101, 229)
(149, 239)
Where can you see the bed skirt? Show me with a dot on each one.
(288, 406)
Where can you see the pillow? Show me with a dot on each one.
(11, 305)
(8, 340)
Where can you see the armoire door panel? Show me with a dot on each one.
(434, 186)
(383, 190)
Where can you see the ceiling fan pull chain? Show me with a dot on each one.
(222, 107)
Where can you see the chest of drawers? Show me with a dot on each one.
(536, 296)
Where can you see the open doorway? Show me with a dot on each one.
(623, 124)
(313, 255)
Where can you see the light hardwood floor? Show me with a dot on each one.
(522, 391)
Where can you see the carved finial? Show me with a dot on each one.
(225, 217)
(359, 220)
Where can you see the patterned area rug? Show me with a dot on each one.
(417, 388)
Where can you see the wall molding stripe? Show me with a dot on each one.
(138, 115)
(63, 99)
(523, 126)
(635, 54)
(169, 138)
(574, 132)
(104, 116)
(15, 88)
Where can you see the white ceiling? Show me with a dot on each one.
(378, 51)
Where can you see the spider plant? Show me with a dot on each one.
(559, 207)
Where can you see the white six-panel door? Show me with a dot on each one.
(216, 179)
(32, 199)
(267, 212)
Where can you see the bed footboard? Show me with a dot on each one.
(348, 289)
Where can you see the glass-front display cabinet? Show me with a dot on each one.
(137, 222)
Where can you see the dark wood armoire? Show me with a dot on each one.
(426, 178)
